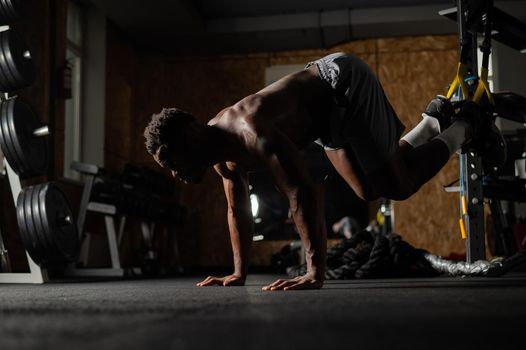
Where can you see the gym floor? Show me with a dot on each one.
(438, 313)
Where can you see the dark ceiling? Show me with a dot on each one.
(242, 26)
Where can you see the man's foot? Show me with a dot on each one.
(442, 110)
(486, 138)
(476, 119)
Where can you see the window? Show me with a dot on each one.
(276, 72)
(73, 111)
(490, 65)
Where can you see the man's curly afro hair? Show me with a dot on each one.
(164, 128)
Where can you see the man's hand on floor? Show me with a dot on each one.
(230, 280)
(301, 282)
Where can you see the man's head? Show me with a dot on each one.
(174, 138)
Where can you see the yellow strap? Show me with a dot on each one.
(459, 80)
(462, 228)
(464, 205)
(483, 87)
(380, 218)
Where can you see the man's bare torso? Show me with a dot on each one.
(295, 106)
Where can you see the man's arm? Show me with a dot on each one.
(305, 200)
(240, 225)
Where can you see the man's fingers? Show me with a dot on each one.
(203, 281)
(277, 282)
(300, 282)
(304, 285)
(298, 286)
(273, 284)
(211, 281)
(280, 285)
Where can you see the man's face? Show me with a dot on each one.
(187, 166)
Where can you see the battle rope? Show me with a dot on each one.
(371, 255)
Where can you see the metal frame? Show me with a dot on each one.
(470, 163)
(511, 32)
(114, 239)
(474, 220)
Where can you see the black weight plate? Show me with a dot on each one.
(5, 75)
(54, 255)
(32, 150)
(3, 142)
(37, 212)
(5, 14)
(31, 224)
(16, 163)
(3, 87)
(14, 8)
(54, 208)
(31, 242)
(10, 81)
(14, 48)
(7, 11)
(12, 137)
(4, 82)
(18, 6)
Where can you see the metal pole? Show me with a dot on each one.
(471, 162)
(474, 221)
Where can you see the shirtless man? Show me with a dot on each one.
(336, 102)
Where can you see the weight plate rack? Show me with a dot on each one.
(47, 228)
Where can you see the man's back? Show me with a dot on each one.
(296, 105)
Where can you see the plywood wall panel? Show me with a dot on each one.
(411, 79)
(418, 44)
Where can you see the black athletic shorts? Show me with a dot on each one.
(361, 118)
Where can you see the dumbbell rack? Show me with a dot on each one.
(109, 212)
(111, 205)
(113, 235)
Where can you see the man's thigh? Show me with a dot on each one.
(391, 179)
(345, 162)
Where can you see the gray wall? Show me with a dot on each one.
(94, 88)
(509, 71)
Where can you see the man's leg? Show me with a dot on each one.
(345, 163)
(406, 170)
(422, 152)
(411, 167)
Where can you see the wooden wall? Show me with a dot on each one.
(412, 70)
